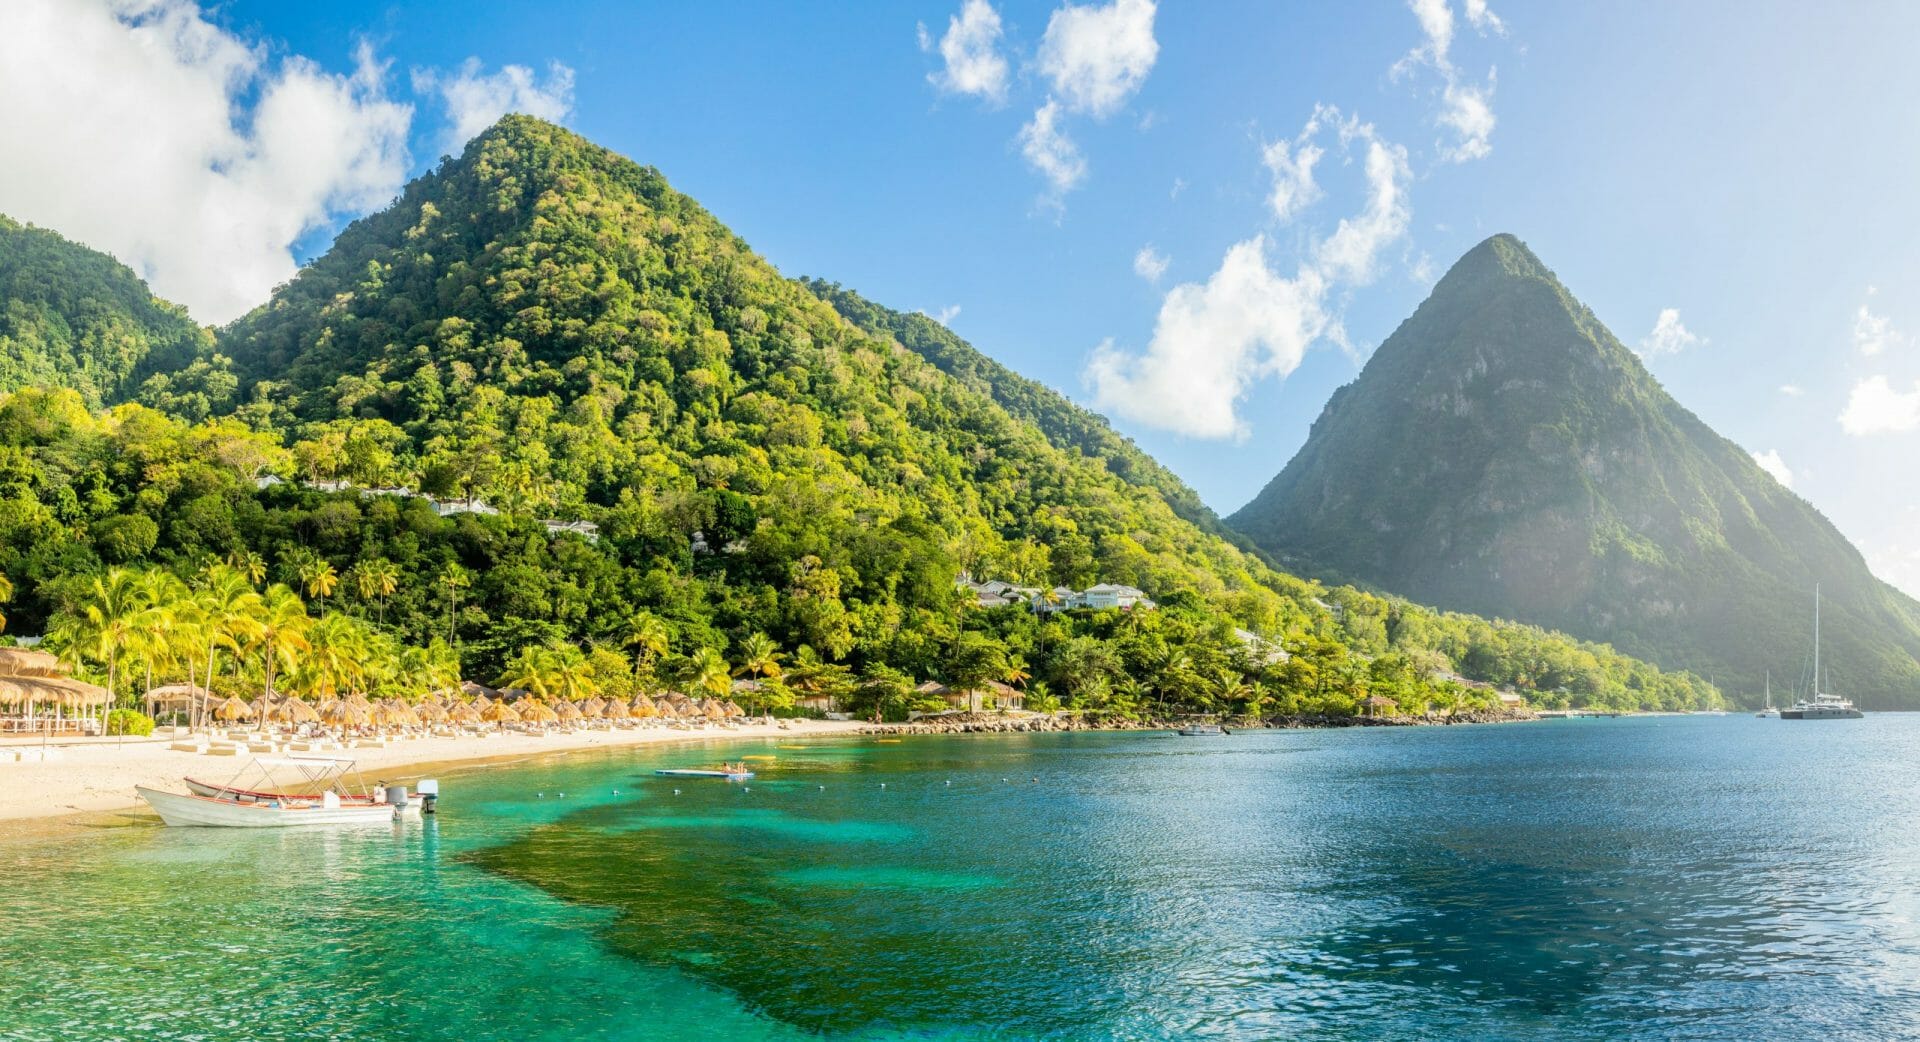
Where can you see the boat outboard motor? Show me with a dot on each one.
(429, 792)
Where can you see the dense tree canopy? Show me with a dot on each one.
(780, 494)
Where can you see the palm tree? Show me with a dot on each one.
(319, 578)
(228, 614)
(284, 625)
(111, 619)
(647, 634)
(455, 579)
(760, 656)
(707, 671)
(249, 564)
(6, 594)
(552, 671)
(376, 578)
(156, 640)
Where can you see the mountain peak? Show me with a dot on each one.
(1502, 453)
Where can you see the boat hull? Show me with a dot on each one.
(1821, 714)
(181, 810)
(689, 773)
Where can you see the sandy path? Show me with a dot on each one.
(101, 777)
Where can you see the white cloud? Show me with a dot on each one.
(475, 99)
(1150, 263)
(1051, 152)
(1669, 336)
(1291, 164)
(1771, 462)
(945, 315)
(1350, 252)
(1214, 340)
(971, 49)
(1096, 57)
(1875, 407)
(1481, 17)
(1792, 390)
(140, 128)
(1466, 108)
(1873, 333)
(1211, 342)
(1898, 563)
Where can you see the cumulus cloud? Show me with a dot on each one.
(945, 315)
(1771, 462)
(1291, 163)
(1792, 390)
(971, 49)
(1669, 336)
(1482, 18)
(1097, 56)
(1210, 343)
(1876, 407)
(1051, 152)
(1873, 333)
(1213, 341)
(140, 128)
(1466, 108)
(476, 99)
(1150, 263)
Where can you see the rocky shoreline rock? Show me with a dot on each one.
(1012, 723)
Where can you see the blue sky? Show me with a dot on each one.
(1748, 168)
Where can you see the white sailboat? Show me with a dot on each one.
(1768, 710)
(1821, 706)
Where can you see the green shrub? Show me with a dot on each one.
(129, 722)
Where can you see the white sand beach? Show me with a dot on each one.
(94, 776)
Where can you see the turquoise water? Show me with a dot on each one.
(1663, 878)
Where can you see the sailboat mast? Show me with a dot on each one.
(1816, 640)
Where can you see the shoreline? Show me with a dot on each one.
(87, 781)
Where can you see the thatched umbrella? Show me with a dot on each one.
(594, 706)
(713, 709)
(499, 713)
(615, 710)
(535, 711)
(432, 713)
(293, 711)
(234, 708)
(643, 708)
(566, 711)
(481, 702)
(463, 714)
(344, 714)
(733, 708)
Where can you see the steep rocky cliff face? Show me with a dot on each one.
(1503, 453)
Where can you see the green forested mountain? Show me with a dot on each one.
(74, 317)
(1503, 453)
(551, 329)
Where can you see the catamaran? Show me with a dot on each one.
(321, 798)
(1821, 706)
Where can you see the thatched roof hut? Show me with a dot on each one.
(26, 662)
(499, 713)
(535, 711)
(234, 708)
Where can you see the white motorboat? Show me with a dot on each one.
(321, 797)
(180, 809)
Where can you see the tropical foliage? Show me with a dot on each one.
(783, 498)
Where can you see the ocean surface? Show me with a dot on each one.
(1654, 878)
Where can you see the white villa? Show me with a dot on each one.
(998, 593)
